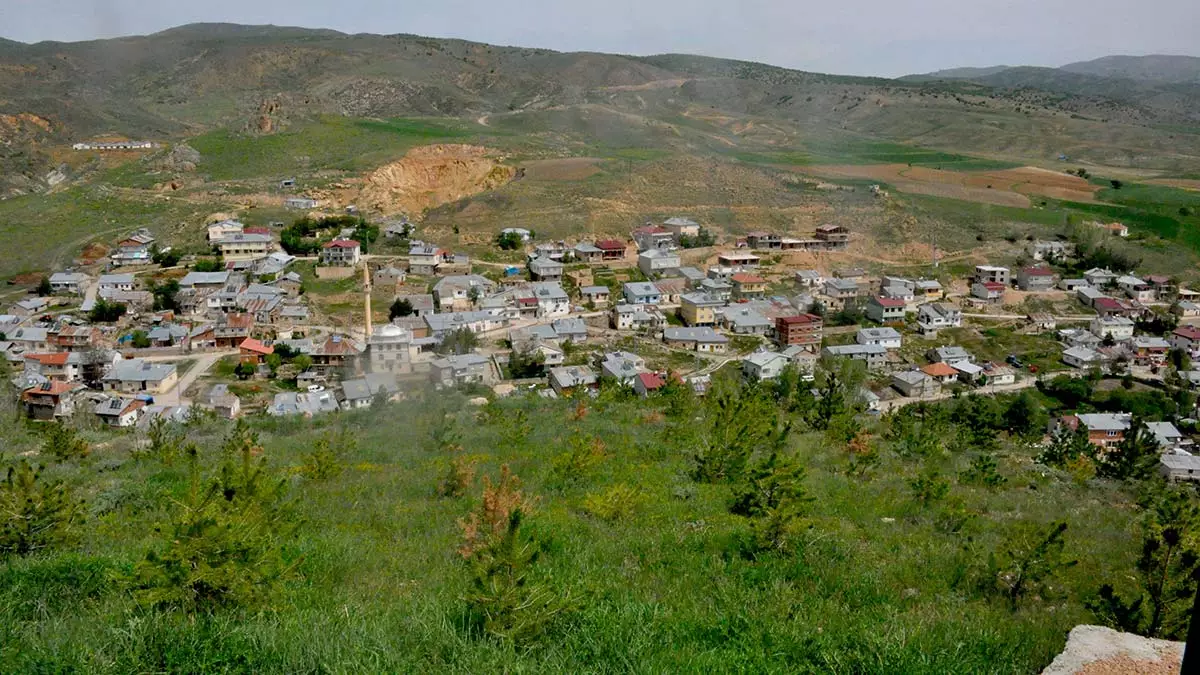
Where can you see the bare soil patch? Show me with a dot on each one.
(1182, 183)
(1010, 187)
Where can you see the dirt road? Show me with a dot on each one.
(204, 363)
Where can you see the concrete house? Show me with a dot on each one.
(748, 286)
(1179, 468)
(803, 330)
(761, 366)
(991, 274)
(362, 392)
(951, 354)
(742, 320)
(1073, 285)
(988, 291)
(134, 376)
(1036, 279)
(611, 249)
(875, 356)
(455, 291)
(51, 400)
(1084, 357)
(69, 283)
(458, 369)
(597, 295)
(641, 293)
(914, 384)
(1104, 430)
(564, 380)
(587, 252)
(545, 269)
(341, 253)
(808, 278)
(842, 291)
(424, 259)
(697, 309)
(389, 277)
(119, 412)
(1136, 289)
(241, 246)
(653, 237)
(1117, 327)
(1186, 338)
(928, 290)
(117, 282)
(658, 262)
(700, 339)
(624, 367)
(935, 316)
(682, 227)
(885, 310)
(634, 317)
(941, 373)
(888, 338)
(1100, 278)
(738, 259)
(552, 299)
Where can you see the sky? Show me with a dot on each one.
(862, 37)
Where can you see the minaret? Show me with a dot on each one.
(367, 300)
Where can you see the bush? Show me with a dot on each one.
(458, 479)
(1027, 563)
(35, 515)
(618, 503)
(64, 444)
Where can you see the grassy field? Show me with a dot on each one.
(864, 151)
(873, 581)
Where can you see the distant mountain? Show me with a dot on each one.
(956, 74)
(1156, 67)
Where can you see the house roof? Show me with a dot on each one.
(694, 334)
(118, 406)
(888, 302)
(642, 288)
(651, 381)
(856, 349)
(1106, 421)
(1083, 354)
(743, 278)
(367, 387)
(763, 359)
(879, 333)
(56, 359)
(939, 369)
(799, 319)
(1038, 272)
(1188, 332)
(341, 243)
(993, 285)
(139, 370)
(255, 346)
(594, 290)
(50, 388)
(912, 377)
(572, 376)
(610, 245)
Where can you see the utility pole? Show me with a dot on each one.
(367, 300)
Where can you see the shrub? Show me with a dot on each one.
(583, 456)
(458, 479)
(35, 514)
(64, 444)
(983, 471)
(773, 497)
(1027, 562)
(618, 503)
(324, 462)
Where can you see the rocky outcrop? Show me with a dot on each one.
(1096, 650)
(430, 176)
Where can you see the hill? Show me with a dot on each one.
(1155, 67)
(966, 73)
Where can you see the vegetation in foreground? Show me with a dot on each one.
(758, 529)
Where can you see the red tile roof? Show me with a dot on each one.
(1107, 303)
(651, 381)
(889, 302)
(57, 359)
(993, 285)
(940, 369)
(341, 243)
(610, 245)
(1189, 332)
(51, 389)
(255, 346)
(802, 318)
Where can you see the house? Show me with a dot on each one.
(1116, 307)
(224, 403)
(30, 339)
(75, 338)
(641, 293)
(747, 286)
(521, 233)
(1100, 278)
(134, 249)
(116, 282)
(951, 354)
(764, 241)
(761, 366)
(1078, 337)
(1036, 279)
(935, 316)
(1186, 338)
(671, 290)
(422, 303)
(224, 228)
(624, 367)
(903, 293)
(424, 259)
(552, 300)
(1042, 321)
(808, 278)
(737, 259)
(693, 276)
(914, 384)
(55, 366)
(1073, 285)
(204, 282)
(885, 310)
(1088, 296)
(646, 383)
(941, 373)
(336, 354)
(253, 351)
(835, 237)
(564, 380)
(30, 306)
(1117, 327)
(611, 249)
(842, 291)
(303, 203)
(588, 252)
(389, 277)
(1186, 309)
(341, 253)
(988, 291)
(461, 291)
(658, 262)
(545, 269)
(888, 338)
(803, 330)
(634, 317)
(362, 392)
(700, 339)
(682, 227)
(851, 274)
(928, 290)
(1179, 468)
(653, 237)
(458, 369)
(991, 274)
(1149, 350)
(717, 288)
(1084, 357)
(875, 356)
(245, 246)
(553, 250)
(570, 329)
(1115, 229)
(51, 400)
(1104, 430)
(119, 412)
(479, 321)
(743, 320)
(1049, 250)
(140, 376)
(1136, 289)
(596, 295)
(69, 283)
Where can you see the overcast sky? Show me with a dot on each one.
(863, 37)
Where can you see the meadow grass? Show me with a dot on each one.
(875, 583)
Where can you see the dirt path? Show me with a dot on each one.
(204, 363)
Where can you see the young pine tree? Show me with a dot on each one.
(35, 514)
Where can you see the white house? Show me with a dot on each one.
(1083, 357)
(888, 338)
(761, 366)
(658, 262)
(1118, 327)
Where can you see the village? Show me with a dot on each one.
(143, 335)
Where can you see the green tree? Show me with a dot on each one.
(772, 495)
(929, 487)
(165, 295)
(35, 514)
(458, 341)
(509, 241)
(401, 307)
(1067, 445)
(207, 265)
(164, 441)
(1116, 184)
(43, 288)
(168, 257)
(739, 423)
(984, 470)
(106, 312)
(302, 362)
(64, 444)
(1024, 416)
(1027, 563)
(1166, 572)
(245, 370)
(1135, 457)
(274, 361)
(140, 339)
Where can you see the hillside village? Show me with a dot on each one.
(141, 336)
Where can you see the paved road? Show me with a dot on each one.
(1022, 317)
